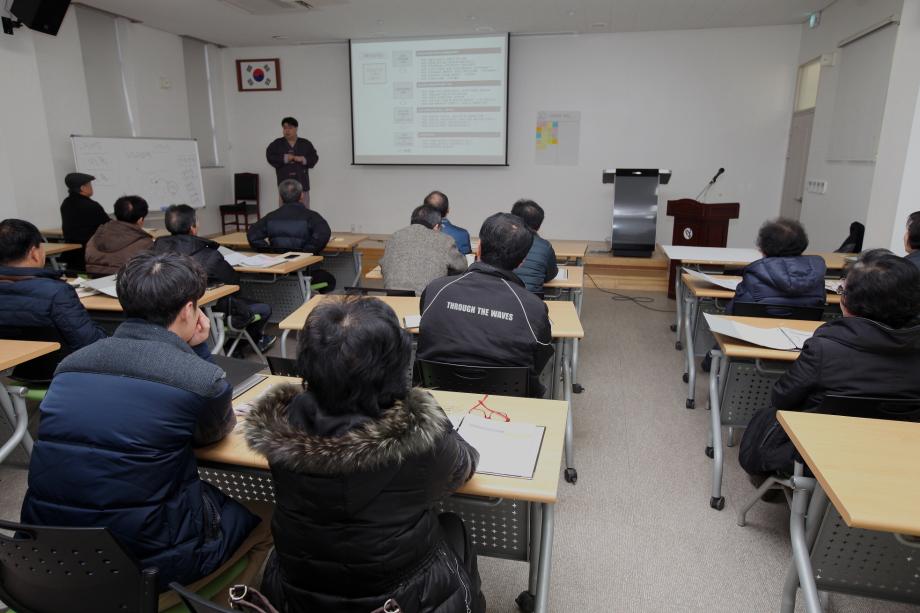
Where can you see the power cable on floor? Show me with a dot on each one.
(642, 301)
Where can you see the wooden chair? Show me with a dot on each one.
(246, 202)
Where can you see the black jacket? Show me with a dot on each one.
(80, 218)
(274, 154)
(354, 520)
(36, 305)
(850, 356)
(539, 266)
(204, 252)
(485, 317)
(914, 258)
(293, 227)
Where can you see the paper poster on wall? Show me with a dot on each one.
(558, 134)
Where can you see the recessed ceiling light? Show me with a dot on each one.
(485, 29)
(570, 12)
(279, 36)
(599, 25)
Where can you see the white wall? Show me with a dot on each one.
(691, 101)
(849, 184)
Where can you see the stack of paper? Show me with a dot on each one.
(257, 260)
(563, 275)
(505, 448)
(102, 285)
(833, 285)
(412, 321)
(731, 284)
(470, 258)
(782, 338)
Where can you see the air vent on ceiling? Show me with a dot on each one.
(274, 7)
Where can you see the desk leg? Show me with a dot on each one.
(716, 452)
(802, 533)
(14, 405)
(358, 266)
(284, 336)
(690, 307)
(304, 285)
(578, 295)
(679, 299)
(55, 264)
(558, 350)
(546, 556)
(571, 475)
(575, 386)
(217, 329)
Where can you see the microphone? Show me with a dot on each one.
(718, 174)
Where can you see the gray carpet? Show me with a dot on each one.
(637, 533)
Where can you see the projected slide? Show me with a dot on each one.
(431, 101)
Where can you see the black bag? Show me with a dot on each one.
(765, 447)
(245, 598)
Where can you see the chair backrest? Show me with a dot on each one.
(195, 603)
(379, 291)
(284, 367)
(80, 570)
(895, 409)
(246, 187)
(777, 311)
(499, 380)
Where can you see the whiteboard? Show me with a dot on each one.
(163, 171)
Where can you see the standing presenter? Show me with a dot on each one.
(292, 157)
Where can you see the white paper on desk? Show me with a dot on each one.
(102, 285)
(505, 448)
(412, 321)
(260, 260)
(730, 284)
(470, 259)
(234, 258)
(833, 285)
(784, 339)
(562, 275)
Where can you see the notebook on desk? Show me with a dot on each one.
(507, 449)
(780, 337)
(242, 374)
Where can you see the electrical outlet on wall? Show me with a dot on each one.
(165, 83)
(816, 186)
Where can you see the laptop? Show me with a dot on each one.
(243, 375)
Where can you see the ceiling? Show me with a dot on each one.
(284, 22)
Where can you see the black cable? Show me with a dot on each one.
(641, 301)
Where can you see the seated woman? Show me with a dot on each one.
(359, 461)
(783, 275)
(873, 350)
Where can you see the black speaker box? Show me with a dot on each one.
(41, 15)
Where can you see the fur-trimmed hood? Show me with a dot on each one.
(411, 427)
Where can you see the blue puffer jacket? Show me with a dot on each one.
(790, 281)
(539, 266)
(115, 449)
(460, 236)
(36, 305)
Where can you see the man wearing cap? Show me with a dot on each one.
(292, 157)
(81, 216)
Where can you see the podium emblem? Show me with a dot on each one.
(688, 233)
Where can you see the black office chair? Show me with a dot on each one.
(500, 380)
(195, 603)
(366, 291)
(284, 367)
(777, 311)
(78, 570)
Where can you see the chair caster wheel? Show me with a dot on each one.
(577, 388)
(691, 403)
(526, 602)
(717, 503)
(679, 346)
(710, 452)
(673, 327)
(686, 377)
(571, 475)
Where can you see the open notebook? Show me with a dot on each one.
(258, 260)
(508, 449)
(730, 284)
(782, 338)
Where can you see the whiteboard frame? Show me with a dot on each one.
(204, 200)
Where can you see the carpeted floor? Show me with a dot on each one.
(636, 533)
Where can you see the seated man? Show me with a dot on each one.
(487, 317)
(912, 239)
(873, 350)
(81, 216)
(116, 242)
(182, 223)
(439, 201)
(118, 427)
(540, 264)
(35, 304)
(418, 254)
(292, 227)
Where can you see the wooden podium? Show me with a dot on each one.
(699, 224)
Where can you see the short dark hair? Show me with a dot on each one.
(782, 238)
(504, 240)
(913, 230)
(155, 286)
(180, 218)
(439, 201)
(530, 212)
(425, 215)
(884, 288)
(130, 208)
(17, 237)
(354, 357)
(290, 121)
(291, 190)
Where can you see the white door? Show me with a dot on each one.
(796, 162)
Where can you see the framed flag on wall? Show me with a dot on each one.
(258, 75)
